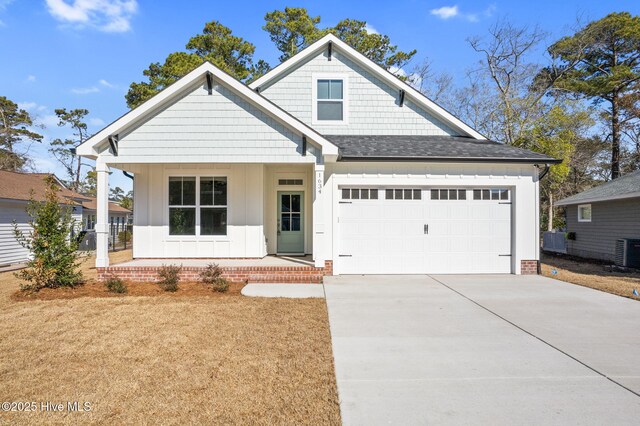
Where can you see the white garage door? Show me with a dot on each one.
(424, 231)
(10, 250)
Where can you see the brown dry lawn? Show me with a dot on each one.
(167, 359)
(591, 274)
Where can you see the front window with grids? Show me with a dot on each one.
(359, 194)
(496, 194)
(197, 206)
(448, 194)
(403, 194)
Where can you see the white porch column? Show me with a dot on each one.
(318, 217)
(102, 215)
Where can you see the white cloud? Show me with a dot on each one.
(371, 29)
(85, 90)
(49, 121)
(448, 12)
(97, 122)
(105, 83)
(32, 106)
(105, 15)
(30, 78)
(445, 12)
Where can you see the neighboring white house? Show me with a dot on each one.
(328, 155)
(16, 190)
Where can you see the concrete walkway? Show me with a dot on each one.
(293, 291)
(482, 350)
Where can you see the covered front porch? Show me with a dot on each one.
(259, 222)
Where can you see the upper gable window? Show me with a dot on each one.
(330, 100)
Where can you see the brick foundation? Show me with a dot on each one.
(328, 267)
(529, 267)
(244, 274)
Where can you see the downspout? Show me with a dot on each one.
(127, 174)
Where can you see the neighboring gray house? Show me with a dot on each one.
(16, 189)
(601, 215)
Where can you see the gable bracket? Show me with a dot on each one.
(304, 146)
(401, 101)
(209, 83)
(330, 48)
(113, 143)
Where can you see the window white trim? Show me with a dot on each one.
(581, 217)
(345, 98)
(197, 236)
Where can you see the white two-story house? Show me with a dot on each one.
(328, 156)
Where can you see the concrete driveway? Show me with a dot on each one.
(483, 350)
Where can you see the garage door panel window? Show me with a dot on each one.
(359, 194)
(495, 194)
(448, 194)
(403, 194)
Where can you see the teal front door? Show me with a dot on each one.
(291, 222)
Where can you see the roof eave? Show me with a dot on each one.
(448, 159)
(568, 202)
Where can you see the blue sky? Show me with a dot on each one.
(85, 53)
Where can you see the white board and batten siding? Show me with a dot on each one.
(218, 128)
(390, 237)
(372, 104)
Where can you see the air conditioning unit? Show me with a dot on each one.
(628, 252)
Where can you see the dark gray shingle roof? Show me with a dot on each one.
(627, 186)
(430, 148)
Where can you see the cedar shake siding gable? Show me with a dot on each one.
(372, 106)
(217, 127)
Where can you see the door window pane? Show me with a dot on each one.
(462, 194)
(220, 191)
(435, 194)
(285, 223)
(398, 194)
(417, 194)
(453, 194)
(286, 202)
(295, 203)
(213, 221)
(182, 221)
(389, 194)
(346, 194)
(364, 194)
(295, 221)
(373, 194)
(444, 194)
(504, 194)
(408, 194)
(485, 194)
(330, 110)
(477, 194)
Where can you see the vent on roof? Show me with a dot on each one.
(289, 182)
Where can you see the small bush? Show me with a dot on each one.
(115, 285)
(124, 237)
(212, 275)
(169, 277)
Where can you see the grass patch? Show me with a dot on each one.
(590, 274)
(222, 359)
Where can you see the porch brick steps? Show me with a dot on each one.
(246, 274)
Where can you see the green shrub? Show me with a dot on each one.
(212, 275)
(56, 261)
(124, 237)
(169, 277)
(115, 285)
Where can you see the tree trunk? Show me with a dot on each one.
(550, 213)
(615, 137)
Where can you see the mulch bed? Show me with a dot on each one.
(98, 289)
